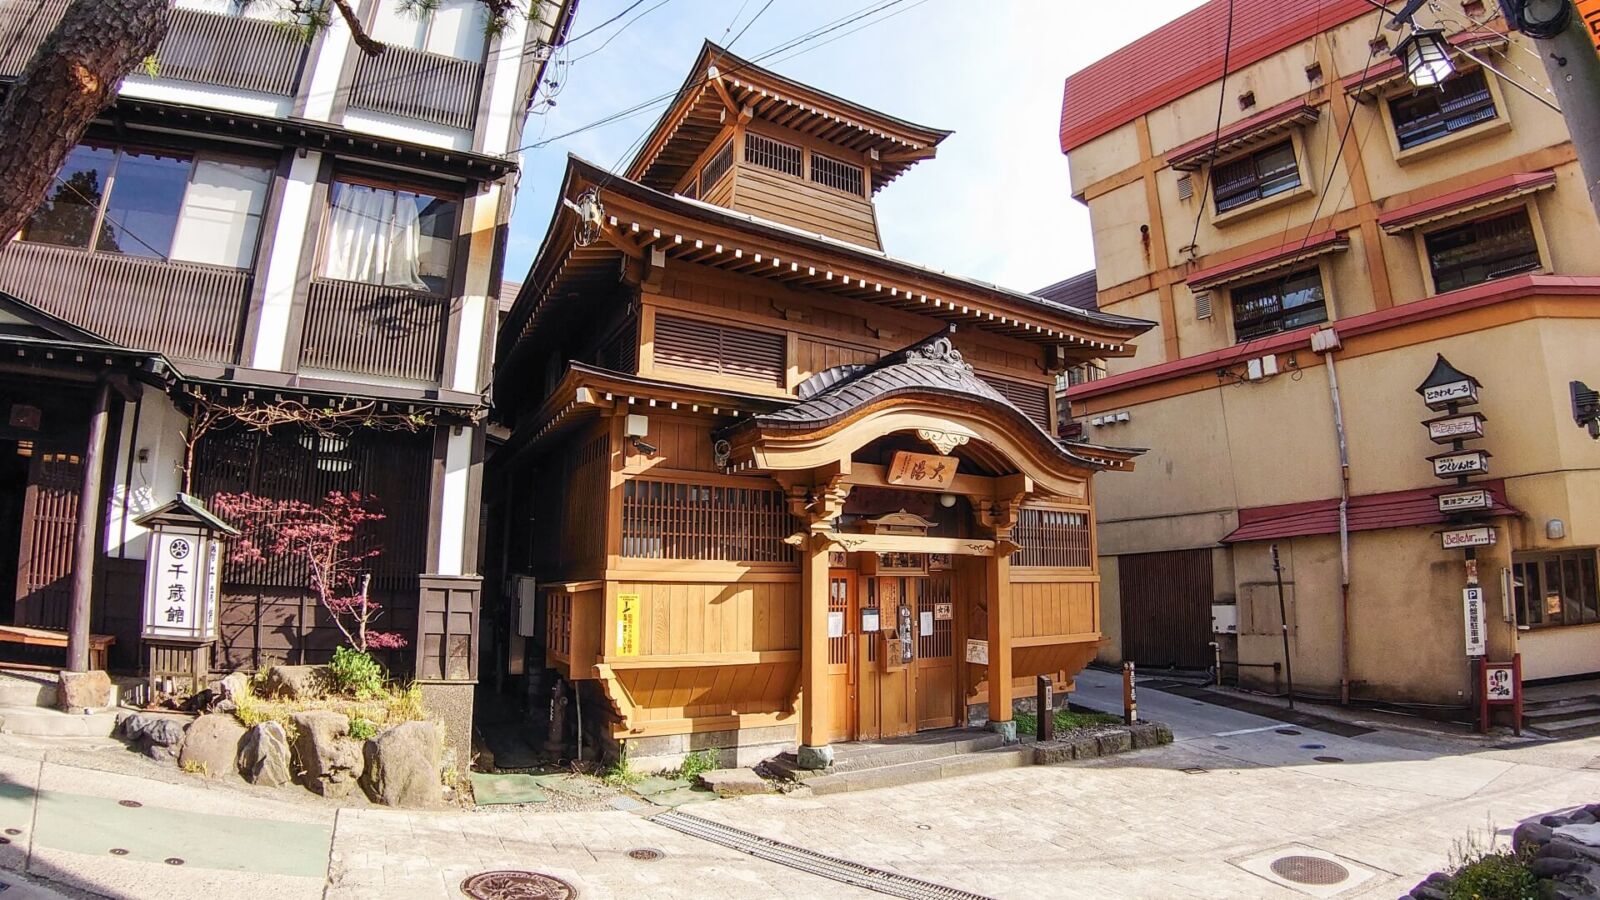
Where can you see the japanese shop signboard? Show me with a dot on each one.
(181, 583)
(922, 470)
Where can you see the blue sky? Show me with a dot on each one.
(995, 204)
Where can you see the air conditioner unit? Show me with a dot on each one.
(527, 603)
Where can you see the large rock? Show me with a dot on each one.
(84, 690)
(327, 758)
(236, 685)
(403, 766)
(211, 745)
(264, 756)
(297, 682)
(157, 737)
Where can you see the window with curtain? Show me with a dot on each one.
(156, 204)
(391, 236)
(1278, 304)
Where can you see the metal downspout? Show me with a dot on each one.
(1344, 531)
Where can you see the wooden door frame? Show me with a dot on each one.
(852, 626)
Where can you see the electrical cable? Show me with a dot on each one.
(1216, 132)
(749, 23)
(625, 27)
(630, 8)
(735, 20)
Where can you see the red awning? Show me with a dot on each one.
(1254, 130)
(1465, 200)
(1370, 512)
(1266, 260)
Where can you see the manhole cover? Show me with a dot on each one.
(1194, 771)
(646, 854)
(1309, 870)
(13, 831)
(1219, 746)
(118, 851)
(131, 804)
(512, 885)
(174, 861)
(1313, 746)
(1328, 759)
(1289, 731)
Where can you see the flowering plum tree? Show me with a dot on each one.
(323, 537)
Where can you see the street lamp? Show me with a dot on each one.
(1425, 56)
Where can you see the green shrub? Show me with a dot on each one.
(362, 729)
(1066, 720)
(1483, 873)
(355, 674)
(697, 763)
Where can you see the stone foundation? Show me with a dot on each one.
(451, 703)
(735, 748)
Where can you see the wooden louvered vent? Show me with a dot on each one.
(721, 349)
(1033, 399)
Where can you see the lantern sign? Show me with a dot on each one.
(1446, 429)
(1458, 463)
(1446, 386)
(183, 571)
(1475, 500)
(1475, 536)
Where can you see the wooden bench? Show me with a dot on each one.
(44, 637)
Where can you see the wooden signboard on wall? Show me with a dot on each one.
(923, 470)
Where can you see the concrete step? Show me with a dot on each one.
(879, 756)
(992, 760)
(1569, 710)
(34, 721)
(22, 689)
(1585, 726)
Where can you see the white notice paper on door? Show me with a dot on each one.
(835, 624)
(927, 622)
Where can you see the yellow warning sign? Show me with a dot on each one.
(627, 624)
(1590, 11)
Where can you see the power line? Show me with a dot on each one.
(630, 8)
(625, 27)
(749, 23)
(825, 43)
(735, 20)
(1216, 132)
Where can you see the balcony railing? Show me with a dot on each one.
(414, 84)
(369, 329)
(184, 310)
(24, 24)
(232, 51)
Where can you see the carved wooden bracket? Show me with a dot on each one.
(942, 441)
(1001, 516)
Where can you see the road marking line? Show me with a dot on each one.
(1247, 731)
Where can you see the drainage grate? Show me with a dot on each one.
(1309, 870)
(1289, 731)
(118, 851)
(514, 885)
(174, 860)
(842, 870)
(1328, 759)
(646, 854)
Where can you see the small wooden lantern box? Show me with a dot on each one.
(183, 575)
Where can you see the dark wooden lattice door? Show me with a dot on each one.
(49, 535)
(1166, 608)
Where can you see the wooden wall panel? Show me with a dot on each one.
(1041, 609)
(813, 355)
(1166, 608)
(690, 618)
(770, 195)
(682, 444)
(710, 691)
(447, 628)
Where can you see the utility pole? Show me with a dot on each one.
(1573, 62)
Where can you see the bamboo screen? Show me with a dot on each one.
(1052, 537)
(676, 520)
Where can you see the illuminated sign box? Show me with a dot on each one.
(1445, 429)
(1476, 536)
(1460, 462)
(1476, 500)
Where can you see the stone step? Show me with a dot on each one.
(950, 766)
(1585, 726)
(877, 757)
(34, 721)
(1556, 713)
(19, 689)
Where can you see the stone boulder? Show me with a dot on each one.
(326, 757)
(297, 682)
(403, 766)
(211, 745)
(264, 756)
(157, 737)
(83, 690)
(236, 685)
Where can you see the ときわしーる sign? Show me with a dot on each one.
(1447, 385)
(1476, 500)
(1476, 536)
(923, 470)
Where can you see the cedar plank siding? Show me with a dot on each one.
(809, 207)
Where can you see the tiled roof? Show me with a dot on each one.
(1371, 512)
(1185, 55)
(1079, 292)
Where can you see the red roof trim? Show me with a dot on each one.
(1185, 55)
(1488, 190)
(1370, 512)
(1201, 147)
(1486, 294)
(1292, 249)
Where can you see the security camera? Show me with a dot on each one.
(647, 449)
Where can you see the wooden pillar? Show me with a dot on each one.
(997, 576)
(814, 643)
(88, 532)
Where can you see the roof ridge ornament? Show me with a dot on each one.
(941, 351)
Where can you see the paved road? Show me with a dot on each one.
(1203, 817)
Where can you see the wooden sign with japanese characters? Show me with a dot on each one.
(181, 582)
(922, 470)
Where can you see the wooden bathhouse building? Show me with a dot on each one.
(276, 228)
(763, 484)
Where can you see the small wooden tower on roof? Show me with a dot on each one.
(748, 139)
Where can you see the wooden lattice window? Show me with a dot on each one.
(1033, 399)
(1265, 173)
(722, 349)
(677, 520)
(717, 166)
(1052, 537)
(1480, 251)
(932, 592)
(839, 603)
(760, 150)
(837, 174)
(1280, 303)
(1427, 115)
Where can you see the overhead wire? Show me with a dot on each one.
(625, 27)
(747, 25)
(1216, 132)
(630, 8)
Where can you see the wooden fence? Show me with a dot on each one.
(232, 51)
(375, 330)
(415, 84)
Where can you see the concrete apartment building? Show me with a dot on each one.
(1335, 222)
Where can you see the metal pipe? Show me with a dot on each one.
(1283, 616)
(1574, 70)
(1344, 530)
